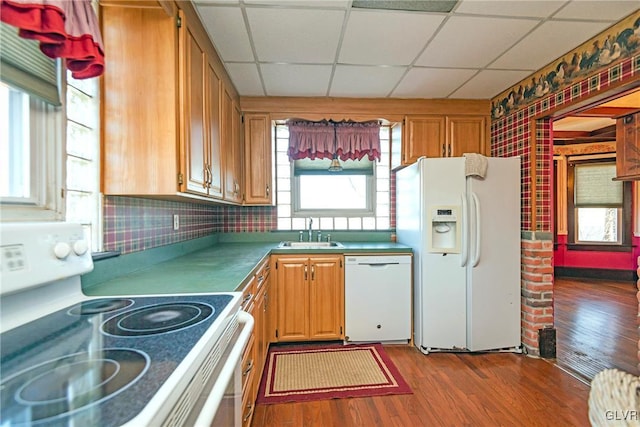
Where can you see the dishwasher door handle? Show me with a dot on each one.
(379, 264)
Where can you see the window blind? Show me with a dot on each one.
(25, 67)
(595, 187)
(307, 166)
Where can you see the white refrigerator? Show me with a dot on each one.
(465, 234)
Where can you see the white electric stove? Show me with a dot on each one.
(71, 360)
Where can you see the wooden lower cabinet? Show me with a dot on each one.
(256, 303)
(310, 297)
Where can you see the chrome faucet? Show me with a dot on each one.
(310, 232)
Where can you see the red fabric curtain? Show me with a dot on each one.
(311, 140)
(356, 140)
(65, 29)
(321, 140)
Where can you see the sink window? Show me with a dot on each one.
(355, 198)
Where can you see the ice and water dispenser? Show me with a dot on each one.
(444, 229)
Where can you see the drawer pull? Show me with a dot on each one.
(248, 368)
(250, 411)
(247, 298)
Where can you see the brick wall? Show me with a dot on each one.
(537, 291)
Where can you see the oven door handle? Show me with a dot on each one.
(208, 412)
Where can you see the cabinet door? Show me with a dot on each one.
(195, 149)
(259, 330)
(466, 134)
(214, 158)
(326, 297)
(257, 159)
(628, 146)
(424, 136)
(238, 140)
(231, 153)
(139, 117)
(291, 279)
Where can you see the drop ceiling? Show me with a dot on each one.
(329, 48)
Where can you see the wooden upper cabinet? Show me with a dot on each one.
(168, 121)
(257, 160)
(232, 153)
(628, 147)
(438, 136)
(215, 163)
(466, 134)
(424, 136)
(139, 96)
(195, 138)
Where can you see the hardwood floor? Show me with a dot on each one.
(596, 325)
(596, 329)
(451, 389)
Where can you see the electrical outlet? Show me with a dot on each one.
(176, 222)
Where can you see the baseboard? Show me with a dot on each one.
(596, 273)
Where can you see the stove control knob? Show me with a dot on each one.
(61, 250)
(80, 247)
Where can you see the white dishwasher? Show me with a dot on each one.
(377, 298)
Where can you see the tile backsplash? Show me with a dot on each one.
(134, 224)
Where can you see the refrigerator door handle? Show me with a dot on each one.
(465, 241)
(476, 256)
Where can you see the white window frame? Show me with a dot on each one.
(298, 212)
(46, 127)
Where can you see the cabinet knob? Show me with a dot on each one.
(268, 189)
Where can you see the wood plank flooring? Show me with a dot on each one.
(596, 329)
(449, 389)
(596, 325)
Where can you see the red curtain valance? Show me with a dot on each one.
(321, 140)
(65, 29)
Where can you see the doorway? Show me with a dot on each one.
(595, 303)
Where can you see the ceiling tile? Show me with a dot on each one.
(296, 80)
(246, 79)
(431, 82)
(295, 35)
(488, 83)
(522, 8)
(209, 2)
(342, 4)
(364, 81)
(598, 10)
(548, 42)
(473, 41)
(226, 28)
(389, 38)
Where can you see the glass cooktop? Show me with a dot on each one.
(99, 362)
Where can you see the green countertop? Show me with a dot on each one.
(222, 267)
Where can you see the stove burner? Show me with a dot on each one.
(102, 305)
(157, 319)
(71, 383)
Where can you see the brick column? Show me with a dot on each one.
(537, 291)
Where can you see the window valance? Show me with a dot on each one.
(329, 139)
(65, 29)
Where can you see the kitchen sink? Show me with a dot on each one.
(309, 245)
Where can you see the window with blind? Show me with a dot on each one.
(356, 198)
(49, 148)
(599, 206)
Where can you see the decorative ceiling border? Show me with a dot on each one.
(619, 42)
